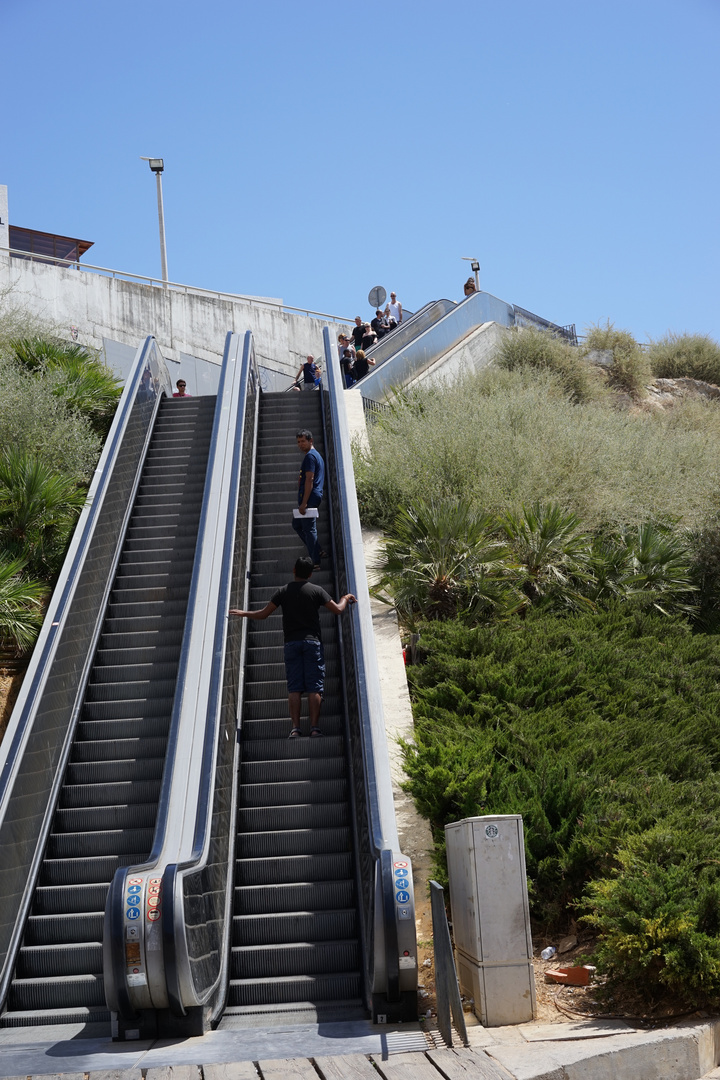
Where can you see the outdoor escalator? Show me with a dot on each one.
(295, 946)
(106, 811)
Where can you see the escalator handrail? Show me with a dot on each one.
(181, 989)
(185, 819)
(381, 807)
(36, 680)
(422, 351)
(408, 329)
(383, 968)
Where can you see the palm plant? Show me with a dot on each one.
(76, 375)
(38, 508)
(440, 558)
(20, 605)
(660, 573)
(552, 553)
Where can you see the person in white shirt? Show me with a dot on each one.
(393, 309)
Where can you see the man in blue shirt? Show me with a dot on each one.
(310, 492)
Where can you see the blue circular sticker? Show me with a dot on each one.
(402, 897)
(133, 900)
(133, 913)
(401, 873)
(135, 888)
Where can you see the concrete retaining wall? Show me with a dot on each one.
(91, 307)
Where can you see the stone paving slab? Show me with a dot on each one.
(594, 1050)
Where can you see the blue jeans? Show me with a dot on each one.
(306, 528)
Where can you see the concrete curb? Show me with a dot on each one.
(687, 1051)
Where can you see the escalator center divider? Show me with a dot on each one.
(295, 952)
(108, 804)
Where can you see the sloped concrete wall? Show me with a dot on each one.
(91, 307)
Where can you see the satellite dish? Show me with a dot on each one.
(377, 297)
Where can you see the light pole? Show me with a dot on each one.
(475, 267)
(157, 165)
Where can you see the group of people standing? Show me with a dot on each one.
(353, 353)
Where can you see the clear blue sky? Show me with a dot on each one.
(313, 150)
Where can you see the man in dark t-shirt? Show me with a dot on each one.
(301, 601)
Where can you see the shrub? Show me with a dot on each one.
(658, 912)
(694, 356)
(540, 349)
(73, 373)
(499, 439)
(33, 419)
(585, 724)
(630, 368)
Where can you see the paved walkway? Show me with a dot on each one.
(599, 1050)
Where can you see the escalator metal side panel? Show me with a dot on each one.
(423, 350)
(410, 328)
(39, 736)
(387, 892)
(203, 736)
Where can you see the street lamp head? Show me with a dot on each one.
(156, 164)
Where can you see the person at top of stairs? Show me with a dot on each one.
(303, 653)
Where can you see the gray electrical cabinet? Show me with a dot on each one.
(491, 917)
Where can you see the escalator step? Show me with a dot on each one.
(270, 845)
(290, 770)
(66, 929)
(103, 818)
(107, 772)
(57, 993)
(294, 868)
(97, 727)
(302, 926)
(70, 900)
(306, 896)
(42, 1017)
(298, 958)
(322, 987)
(141, 711)
(294, 792)
(103, 842)
(289, 749)
(49, 961)
(278, 707)
(112, 750)
(309, 816)
(121, 793)
(86, 871)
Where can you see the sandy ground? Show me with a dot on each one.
(10, 682)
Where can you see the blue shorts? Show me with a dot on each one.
(304, 667)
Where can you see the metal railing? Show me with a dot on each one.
(195, 290)
(41, 729)
(386, 903)
(193, 850)
(447, 990)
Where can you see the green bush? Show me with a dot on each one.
(541, 350)
(584, 724)
(694, 356)
(630, 369)
(658, 912)
(499, 439)
(35, 420)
